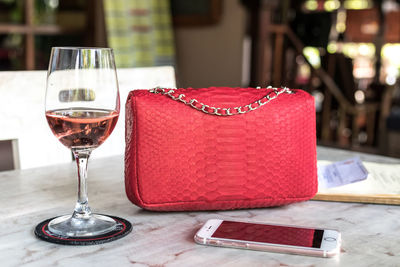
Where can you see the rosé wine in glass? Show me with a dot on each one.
(82, 109)
(83, 128)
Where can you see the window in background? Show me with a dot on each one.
(29, 28)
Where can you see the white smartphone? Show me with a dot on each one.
(268, 237)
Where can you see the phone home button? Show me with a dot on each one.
(330, 239)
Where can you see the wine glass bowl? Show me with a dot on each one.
(82, 109)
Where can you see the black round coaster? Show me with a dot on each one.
(123, 228)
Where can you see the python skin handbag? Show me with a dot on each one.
(219, 148)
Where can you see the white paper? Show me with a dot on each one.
(341, 173)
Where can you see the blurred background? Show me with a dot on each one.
(346, 53)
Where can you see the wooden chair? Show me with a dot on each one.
(347, 110)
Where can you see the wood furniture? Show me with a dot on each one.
(9, 155)
(273, 47)
(93, 32)
(27, 197)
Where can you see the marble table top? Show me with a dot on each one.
(371, 233)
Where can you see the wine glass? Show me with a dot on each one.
(82, 109)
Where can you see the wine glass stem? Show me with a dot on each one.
(82, 209)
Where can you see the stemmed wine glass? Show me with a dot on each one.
(82, 109)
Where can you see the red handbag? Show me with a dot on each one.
(244, 148)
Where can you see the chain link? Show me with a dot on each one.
(194, 103)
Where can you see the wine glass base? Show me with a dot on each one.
(94, 225)
(122, 229)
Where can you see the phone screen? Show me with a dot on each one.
(274, 234)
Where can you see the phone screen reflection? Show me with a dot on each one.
(274, 234)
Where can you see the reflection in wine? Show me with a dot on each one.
(82, 128)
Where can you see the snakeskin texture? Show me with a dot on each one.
(179, 158)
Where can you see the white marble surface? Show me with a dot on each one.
(371, 233)
(22, 97)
